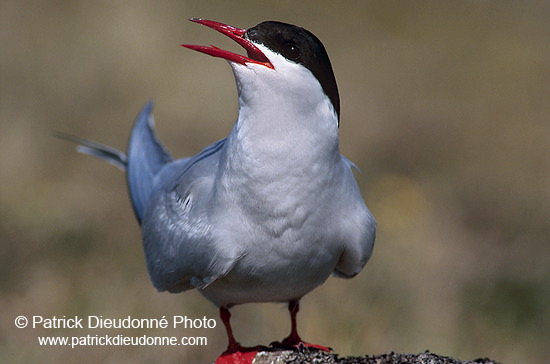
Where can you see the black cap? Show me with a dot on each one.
(300, 46)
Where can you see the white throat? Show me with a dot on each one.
(286, 104)
(286, 127)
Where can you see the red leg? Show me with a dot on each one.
(235, 353)
(232, 345)
(294, 339)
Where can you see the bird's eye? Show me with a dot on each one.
(291, 51)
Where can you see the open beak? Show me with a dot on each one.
(254, 54)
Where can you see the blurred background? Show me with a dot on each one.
(445, 110)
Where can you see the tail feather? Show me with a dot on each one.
(146, 156)
(85, 146)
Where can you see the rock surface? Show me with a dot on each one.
(307, 356)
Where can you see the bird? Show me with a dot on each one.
(268, 213)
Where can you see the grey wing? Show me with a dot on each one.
(178, 240)
(359, 228)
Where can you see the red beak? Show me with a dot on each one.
(255, 55)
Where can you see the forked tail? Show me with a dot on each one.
(144, 159)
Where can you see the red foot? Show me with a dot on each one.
(314, 346)
(294, 340)
(237, 357)
(299, 344)
(238, 354)
(235, 353)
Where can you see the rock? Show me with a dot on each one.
(312, 356)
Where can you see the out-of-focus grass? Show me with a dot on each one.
(444, 108)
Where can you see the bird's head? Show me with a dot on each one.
(285, 65)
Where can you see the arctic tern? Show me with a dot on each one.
(268, 213)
